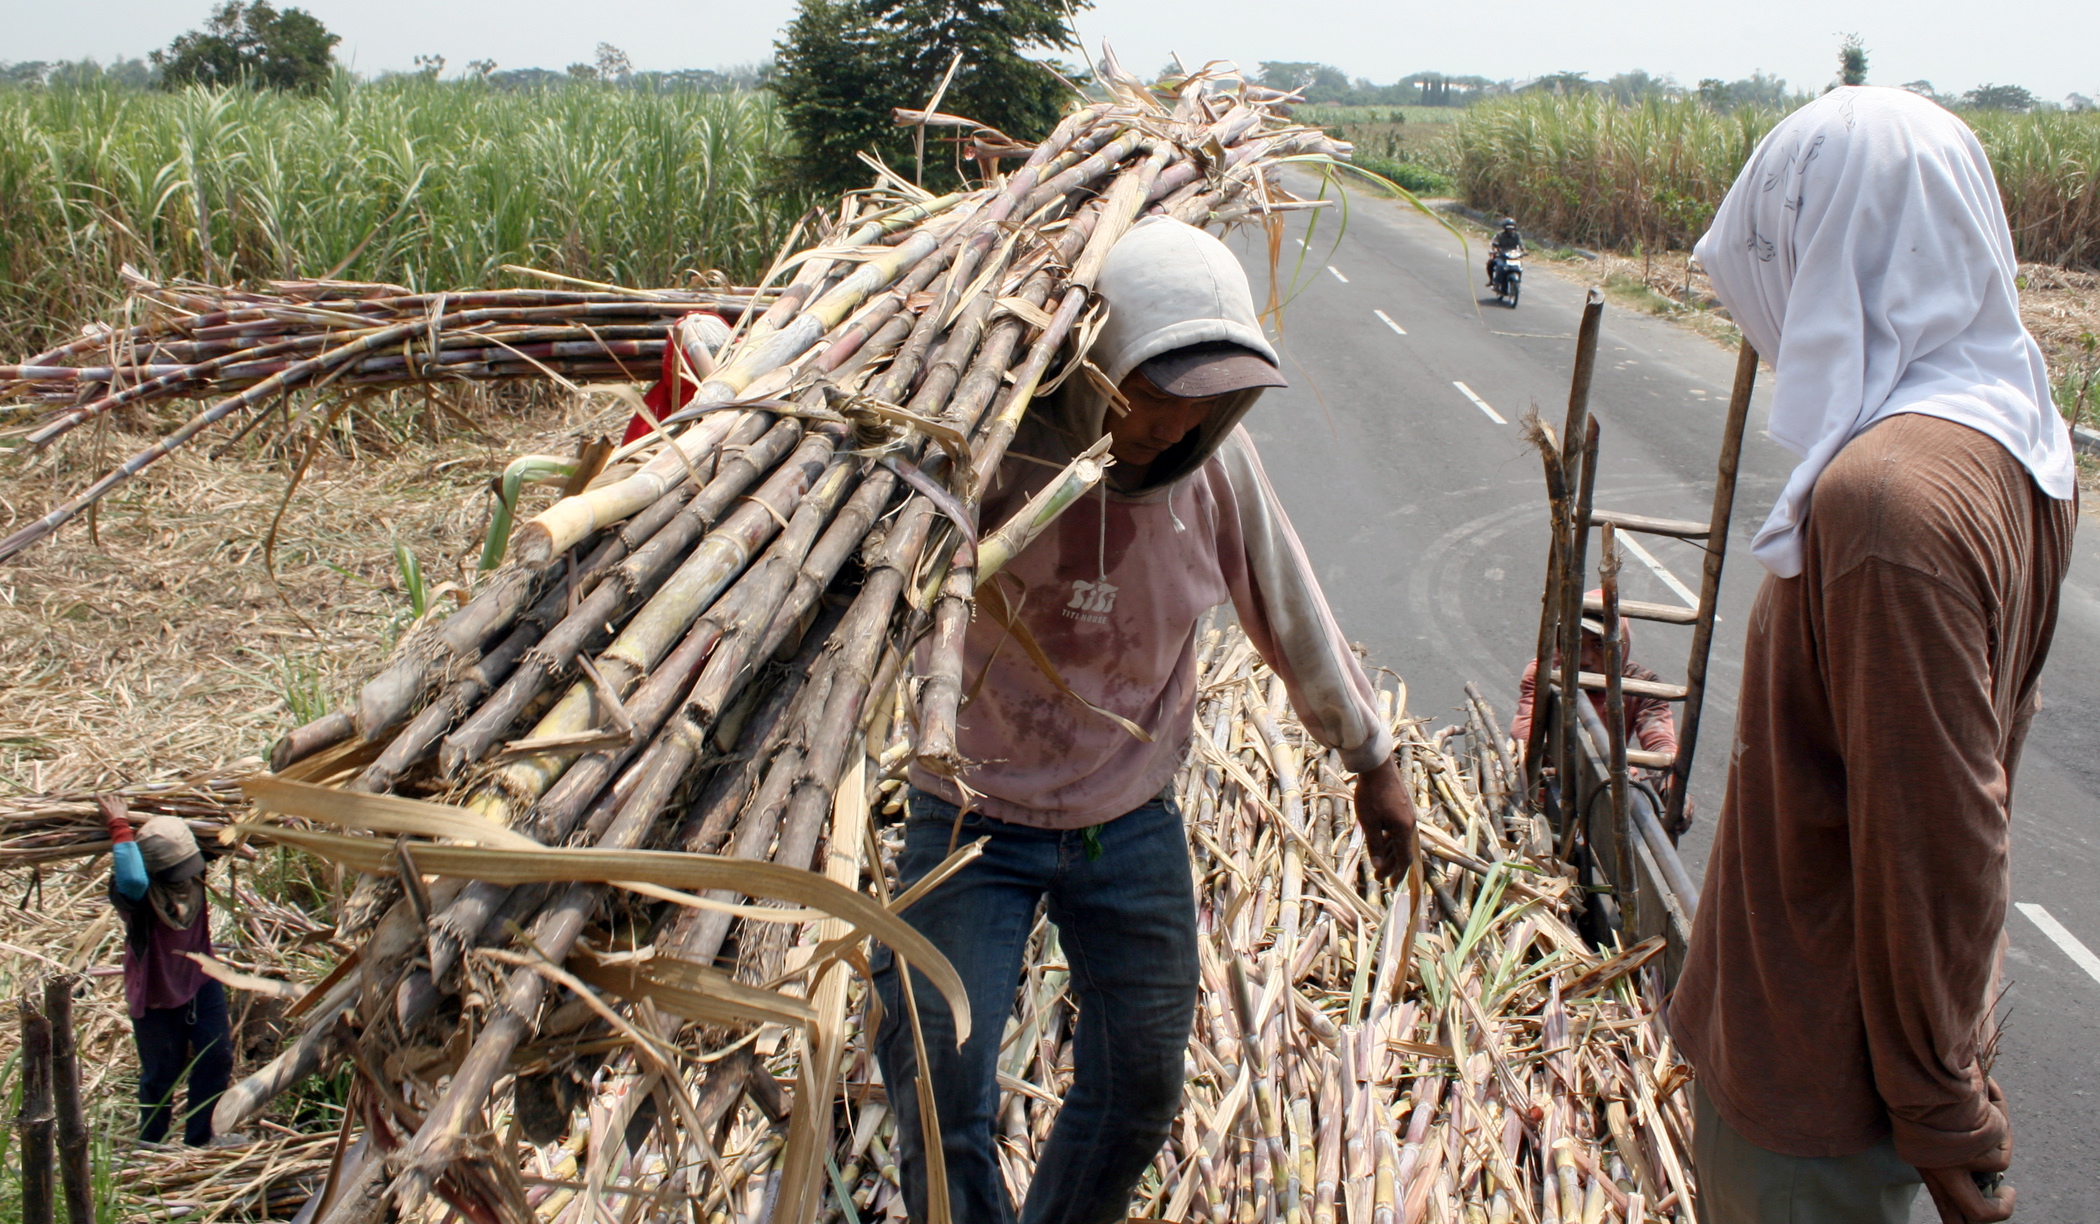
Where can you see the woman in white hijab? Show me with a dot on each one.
(1835, 990)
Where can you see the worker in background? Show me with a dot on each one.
(1839, 980)
(1072, 775)
(1506, 239)
(178, 1015)
(1650, 724)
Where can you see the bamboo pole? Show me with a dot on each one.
(1710, 585)
(1628, 888)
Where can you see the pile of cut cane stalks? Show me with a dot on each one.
(1479, 1063)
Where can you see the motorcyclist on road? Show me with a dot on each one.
(1505, 239)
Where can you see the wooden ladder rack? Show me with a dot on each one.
(1589, 754)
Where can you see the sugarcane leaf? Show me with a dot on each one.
(1026, 311)
(1617, 967)
(691, 991)
(219, 971)
(669, 869)
(367, 813)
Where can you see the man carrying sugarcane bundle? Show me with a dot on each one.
(1839, 983)
(1075, 752)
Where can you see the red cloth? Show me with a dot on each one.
(673, 389)
(1649, 721)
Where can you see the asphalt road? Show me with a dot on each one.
(1399, 453)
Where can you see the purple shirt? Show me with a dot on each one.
(160, 976)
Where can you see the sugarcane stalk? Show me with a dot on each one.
(558, 528)
(35, 1117)
(74, 1171)
(650, 705)
(1086, 470)
(797, 777)
(305, 740)
(633, 577)
(388, 697)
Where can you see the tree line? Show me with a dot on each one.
(841, 67)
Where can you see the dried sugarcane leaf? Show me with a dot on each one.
(1616, 967)
(1026, 311)
(219, 971)
(691, 991)
(669, 869)
(373, 813)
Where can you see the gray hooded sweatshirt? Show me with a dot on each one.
(1114, 590)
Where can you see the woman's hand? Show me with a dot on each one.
(1387, 813)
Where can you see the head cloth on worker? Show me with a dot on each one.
(1864, 252)
(1170, 288)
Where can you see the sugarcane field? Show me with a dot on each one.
(942, 627)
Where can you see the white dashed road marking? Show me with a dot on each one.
(1479, 403)
(1337, 275)
(1661, 571)
(1387, 320)
(2063, 938)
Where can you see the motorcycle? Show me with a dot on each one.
(1507, 275)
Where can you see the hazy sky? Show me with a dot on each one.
(2046, 45)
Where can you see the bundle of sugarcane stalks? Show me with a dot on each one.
(42, 828)
(246, 352)
(647, 733)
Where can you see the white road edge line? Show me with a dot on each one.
(1337, 275)
(1385, 319)
(1481, 404)
(1661, 571)
(2077, 951)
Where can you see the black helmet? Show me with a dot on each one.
(1509, 223)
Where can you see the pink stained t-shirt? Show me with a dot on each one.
(1113, 593)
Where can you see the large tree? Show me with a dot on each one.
(253, 44)
(844, 65)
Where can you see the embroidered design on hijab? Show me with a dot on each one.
(1864, 252)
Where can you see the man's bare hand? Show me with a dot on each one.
(1387, 813)
(1954, 1189)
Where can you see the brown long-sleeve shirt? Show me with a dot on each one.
(1857, 887)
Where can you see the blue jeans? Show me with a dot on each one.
(1127, 920)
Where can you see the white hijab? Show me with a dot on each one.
(1864, 252)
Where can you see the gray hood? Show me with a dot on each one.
(1168, 285)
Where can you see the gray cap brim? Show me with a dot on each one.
(182, 872)
(1201, 371)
